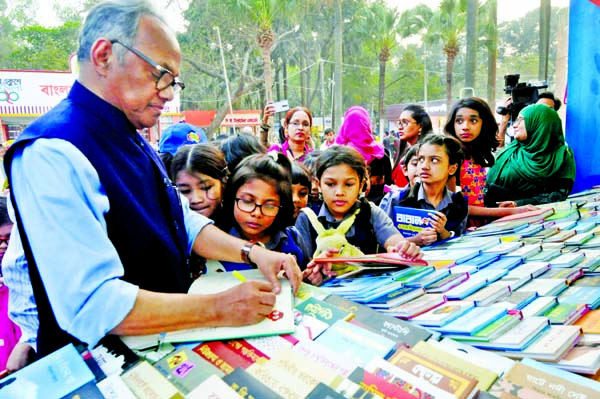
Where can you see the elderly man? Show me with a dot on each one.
(104, 232)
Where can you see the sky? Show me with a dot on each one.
(507, 9)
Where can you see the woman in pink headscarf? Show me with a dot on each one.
(356, 132)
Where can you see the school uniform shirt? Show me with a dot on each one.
(382, 225)
(454, 206)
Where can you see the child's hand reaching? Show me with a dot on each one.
(317, 273)
(407, 249)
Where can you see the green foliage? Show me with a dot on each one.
(38, 47)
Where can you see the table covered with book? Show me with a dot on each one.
(509, 310)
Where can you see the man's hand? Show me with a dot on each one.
(247, 303)
(21, 356)
(271, 263)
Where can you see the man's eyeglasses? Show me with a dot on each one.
(4, 240)
(165, 78)
(248, 206)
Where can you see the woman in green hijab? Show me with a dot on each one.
(537, 167)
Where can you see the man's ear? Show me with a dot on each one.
(101, 55)
(452, 169)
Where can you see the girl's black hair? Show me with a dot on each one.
(310, 161)
(411, 153)
(238, 147)
(422, 118)
(4, 218)
(300, 175)
(453, 148)
(487, 142)
(342, 155)
(273, 168)
(200, 158)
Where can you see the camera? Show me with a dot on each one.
(522, 94)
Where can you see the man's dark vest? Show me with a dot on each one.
(364, 235)
(145, 220)
(455, 212)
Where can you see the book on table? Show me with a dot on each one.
(372, 264)
(279, 321)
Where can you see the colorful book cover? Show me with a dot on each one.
(583, 295)
(147, 382)
(567, 260)
(324, 391)
(444, 378)
(545, 287)
(497, 363)
(405, 380)
(223, 357)
(186, 369)
(299, 373)
(570, 275)
(474, 320)
(566, 313)
(443, 314)
(537, 215)
(356, 342)
(337, 362)
(519, 336)
(55, 376)
(466, 288)
(414, 308)
(269, 346)
(552, 382)
(446, 283)
(490, 294)
(590, 323)
(539, 306)
(506, 262)
(308, 327)
(457, 255)
(213, 388)
(113, 387)
(323, 311)
(397, 330)
(411, 221)
(517, 300)
(395, 298)
(550, 345)
(492, 331)
(435, 352)
(247, 386)
(378, 386)
(429, 279)
(581, 360)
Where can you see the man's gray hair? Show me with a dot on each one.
(113, 19)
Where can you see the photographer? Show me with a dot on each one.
(537, 167)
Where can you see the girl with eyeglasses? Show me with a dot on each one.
(414, 124)
(258, 207)
(472, 122)
(297, 127)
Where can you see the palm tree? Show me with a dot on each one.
(262, 12)
(384, 27)
(489, 33)
(545, 10)
(446, 27)
(472, 39)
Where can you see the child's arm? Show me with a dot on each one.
(397, 243)
(496, 213)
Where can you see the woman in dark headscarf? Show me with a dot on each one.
(537, 168)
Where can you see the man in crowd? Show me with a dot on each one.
(104, 232)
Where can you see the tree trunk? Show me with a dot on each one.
(268, 74)
(451, 55)
(472, 45)
(492, 48)
(380, 110)
(545, 10)
(338, 58)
